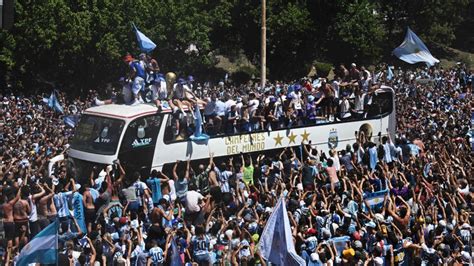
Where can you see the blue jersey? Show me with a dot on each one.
(156, 256)
(155, 186)
(115, 210)
(138, 68)
(200, 245)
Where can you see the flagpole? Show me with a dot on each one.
(263, 46)
(57, 244)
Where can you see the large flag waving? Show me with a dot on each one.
(53, 103)
(146, 45)
(276, 243)
(43, 248)
(376, 199)
(175, 258)
(413, 50)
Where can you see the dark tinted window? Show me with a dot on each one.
(97, 134)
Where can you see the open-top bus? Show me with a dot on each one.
(142, 137)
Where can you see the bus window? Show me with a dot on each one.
(382, 105)
(138, 144)
(141, 132)
(97, 134)
(179, 128)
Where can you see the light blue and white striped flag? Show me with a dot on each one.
(375, 200)
(146, 45)
(43, 248)
(413, 50)
(389, 73)
(340, 243)
(276, 242)
(54, 103)
(198, 135)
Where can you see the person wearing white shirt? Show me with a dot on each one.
(253, 103)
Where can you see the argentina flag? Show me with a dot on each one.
(340, 243)
(375, 200)
(146, 45)
(413, 50)
(53, 103)
(198, 135)
(276, 242)
(43, 248)
(389, 73)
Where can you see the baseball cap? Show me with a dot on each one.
(311, 231)
(370, 224)
(357, 244)
(348, 253)
(123, 220)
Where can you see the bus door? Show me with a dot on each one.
(138, 144)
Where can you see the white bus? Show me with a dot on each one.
(143, 138)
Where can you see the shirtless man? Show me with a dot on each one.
(8, 221)
(89, 211)
(21, 211)
(52, 211)
(43, 204)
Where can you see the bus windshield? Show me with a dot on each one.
(99, 135)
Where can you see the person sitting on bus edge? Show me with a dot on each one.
(192, 97)
(159, 91)
(152, 68)
(178, 100)
(214, 113)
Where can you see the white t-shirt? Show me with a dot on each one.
(253, 105)
(335, 85)
(387, 147)
(172, 190)
(192, 201)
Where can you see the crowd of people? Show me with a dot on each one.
(232, 110)
(214, 213)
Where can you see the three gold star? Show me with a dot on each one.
(278, 140)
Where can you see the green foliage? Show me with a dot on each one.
(322, 69)
(358, 33)
(79, 44)
(244, 74)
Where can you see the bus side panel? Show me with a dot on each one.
(324, 137)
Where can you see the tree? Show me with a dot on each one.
(356, 33)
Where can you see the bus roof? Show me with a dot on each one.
(124, 111)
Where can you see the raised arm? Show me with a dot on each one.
(16, 198)
(175, 175)
(39, 194)
(188, 163)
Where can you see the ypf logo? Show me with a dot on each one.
(333, 139)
